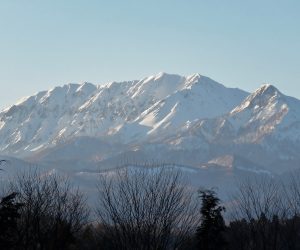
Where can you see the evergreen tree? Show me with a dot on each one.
(210, 232)
(9, 214)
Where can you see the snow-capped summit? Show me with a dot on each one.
(261, 97)
(167, 117)
(86, 87)
(199, 98)
(267, 105)
(266, 89)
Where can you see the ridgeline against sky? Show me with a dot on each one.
(241, 44)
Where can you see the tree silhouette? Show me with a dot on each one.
(146, 209)
(53, 212)
(210, 232)
(9, 214)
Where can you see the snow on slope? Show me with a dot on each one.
(200, 98)
(36, 121)
(260, 113)
(265, 112)
(167, 118)
(52, 117)
(263, 129)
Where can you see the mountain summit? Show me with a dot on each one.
(165, 117)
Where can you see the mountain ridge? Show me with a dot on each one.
(174, 114)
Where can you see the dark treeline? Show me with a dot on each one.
(147, 209)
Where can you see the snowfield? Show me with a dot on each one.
(212, 132)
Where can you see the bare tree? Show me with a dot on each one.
(257, 196)
(292, 192)
(292, 224)
(52, 213)
(146, 208)
(258, 207)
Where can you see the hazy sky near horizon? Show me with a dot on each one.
(237, 43)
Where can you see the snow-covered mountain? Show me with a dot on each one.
(188, 120)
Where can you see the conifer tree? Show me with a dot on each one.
(210, 233)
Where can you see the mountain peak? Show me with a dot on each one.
(267, 89)
(267, 93)
(86, 86)
(162, 75)
(194, 77)
(163, 117)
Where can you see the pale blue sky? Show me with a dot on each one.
(238, 43)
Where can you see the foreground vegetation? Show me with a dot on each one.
(148, 209)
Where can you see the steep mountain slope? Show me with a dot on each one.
(188, 120)
(264, 128)
(118, 110)
(200, 98)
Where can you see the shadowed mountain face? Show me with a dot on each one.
(189, 120)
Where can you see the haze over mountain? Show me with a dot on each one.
(188, 120)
